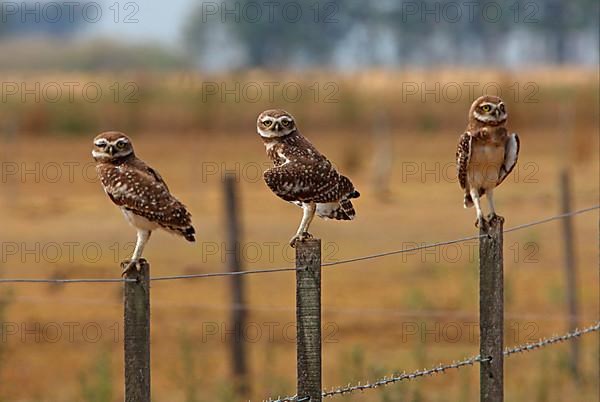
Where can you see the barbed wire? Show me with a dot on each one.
(327, 264)
(443, 368)
(552, 340)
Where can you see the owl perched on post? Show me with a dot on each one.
(139, 191)
(486, 153)
(301, 174)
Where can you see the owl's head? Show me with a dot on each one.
(489, 110)
(275, 123)
(111, 145)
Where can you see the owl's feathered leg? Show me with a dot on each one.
(480, 222)
(142, 239)
(307, 217)
(492, 216)
(490, 198)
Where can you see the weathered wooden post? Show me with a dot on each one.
(238, 308)
(137, 334)
(491, 311)
(383, 155)
(308, 318)
(570, 268)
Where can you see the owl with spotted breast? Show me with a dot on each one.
(301, 174)
(486, 154)
(139, 191)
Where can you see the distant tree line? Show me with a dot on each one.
(54, 19)
(352, 33)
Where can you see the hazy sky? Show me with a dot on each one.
(157, 20)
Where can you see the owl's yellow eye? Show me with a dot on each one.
(285, 123)
(486, 108)
(120, 145)
(267, 123)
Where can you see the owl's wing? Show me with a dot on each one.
(463, 155)
(308, 181)
(511, 154)
(145, 194)
(157, 176)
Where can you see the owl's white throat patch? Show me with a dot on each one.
(99, 154)
(274, 134)
(104, 155)
(488, 118)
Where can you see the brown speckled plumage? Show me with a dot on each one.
(486, 153)
(137, 188)
(301, 174)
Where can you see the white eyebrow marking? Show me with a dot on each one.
(101, 141)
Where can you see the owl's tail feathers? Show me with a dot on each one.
(354, 194)
(348, 209)
(342, 210)
(189, 233)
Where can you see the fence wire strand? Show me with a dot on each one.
(443, 368)
(448, 242)
(91, 280)
(328, 264)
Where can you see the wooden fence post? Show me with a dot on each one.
(383, 155)
(570, 268)
(137, 334)
(308, 318)
(491, 312)
(238, 308)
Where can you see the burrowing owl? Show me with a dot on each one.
(301, 174)
(486, 153)
(139, 191)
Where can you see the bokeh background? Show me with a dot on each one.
(383, 89)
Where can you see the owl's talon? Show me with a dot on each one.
(492, 218)
(300, 237)
(481, 223)
(128, 265)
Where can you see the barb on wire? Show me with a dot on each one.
(328, 264)
(552, 340)
(442, 368)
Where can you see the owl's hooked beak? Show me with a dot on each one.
(277, 126)
(497, 112)
(111, 150)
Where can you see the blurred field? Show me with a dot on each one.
(368, 306)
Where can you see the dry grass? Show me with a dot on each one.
(370, 305)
